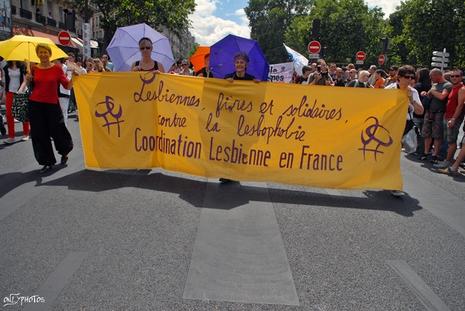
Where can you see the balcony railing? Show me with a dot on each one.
(25, 13)
(51, 22)
(41, 19)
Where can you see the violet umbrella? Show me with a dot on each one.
(124, 47)
(222, 57)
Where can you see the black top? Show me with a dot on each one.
(204, 73)
(155, 66)
(235, 77)
(22, 72)
(356, 83)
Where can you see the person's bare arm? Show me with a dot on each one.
(459, 109)
(439, 95)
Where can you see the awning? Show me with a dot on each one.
(80, 43)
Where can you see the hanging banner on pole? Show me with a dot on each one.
(243, 130)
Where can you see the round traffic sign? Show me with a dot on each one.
(314, 47)
(361, 55)
(381, 59)
(64, 38)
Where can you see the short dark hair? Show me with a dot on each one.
(405, 70)
(457, 70)
(306, 68)
(242, 55)
(381, 72)
(145, 39)
(393, 68)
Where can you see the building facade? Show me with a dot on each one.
(46, 18)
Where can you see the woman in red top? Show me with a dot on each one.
(45, 115)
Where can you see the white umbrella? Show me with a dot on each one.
(124, 47)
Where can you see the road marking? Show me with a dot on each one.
(239, 253)
(56, 281)
(424, 293)
(440, 203)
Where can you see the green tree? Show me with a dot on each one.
(419, 27)
(269, 19)
(346, 26)
(174, 14)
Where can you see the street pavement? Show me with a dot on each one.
(152, 240)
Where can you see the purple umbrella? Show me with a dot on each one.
(124, 47)
(222, 57)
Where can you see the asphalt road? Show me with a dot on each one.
(143, 240)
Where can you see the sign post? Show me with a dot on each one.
(440, 59)
(360, 56)
(86, 39)
(64, 38)
(314, 48)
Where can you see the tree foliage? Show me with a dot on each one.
(269, 19)
(419, 27)
(346, 26)
(174, 14)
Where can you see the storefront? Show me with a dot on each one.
(5, 19)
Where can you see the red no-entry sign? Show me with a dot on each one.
(314, 47)
(360, 55)
(64, 38)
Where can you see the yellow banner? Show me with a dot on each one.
(295, 134)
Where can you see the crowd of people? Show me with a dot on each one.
(442, 95)
(436, 98)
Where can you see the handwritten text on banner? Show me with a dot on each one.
(309, 135)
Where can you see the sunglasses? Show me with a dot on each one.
(455, 76)
(145, 48)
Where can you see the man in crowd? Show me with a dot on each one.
(351, 75)
(392, 79)
(372, 77)
(306, 71)
(332, 70)
(185, 70)
(433, 130)
(340, 79)
(362, 80)
(321, 76)
(107, 65)
(454, 116)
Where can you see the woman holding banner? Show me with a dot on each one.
(147, 63)
(405, 78)
(241, 60)
(45, 113)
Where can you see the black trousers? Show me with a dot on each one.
(47, 122)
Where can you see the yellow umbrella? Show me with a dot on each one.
(23, 48)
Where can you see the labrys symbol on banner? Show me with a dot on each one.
(111, 117)
(374, 137)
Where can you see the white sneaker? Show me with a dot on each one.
(397, 193)
(25, 138)
(9, 141)
(442, 164)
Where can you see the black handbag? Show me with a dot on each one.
(20, 106)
